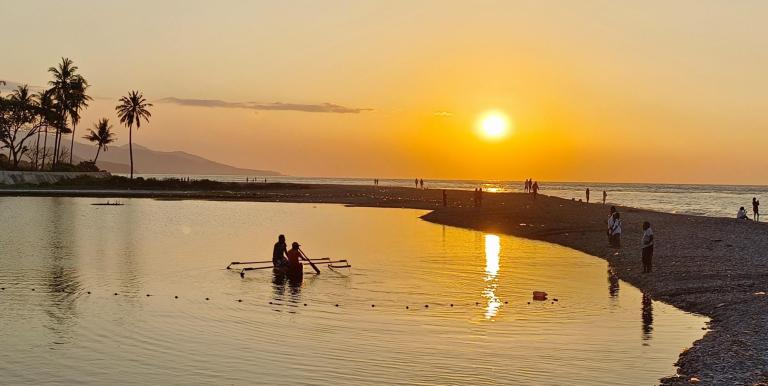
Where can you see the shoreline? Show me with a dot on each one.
(705, 265)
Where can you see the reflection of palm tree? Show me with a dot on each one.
(101, 136)
(132, 109)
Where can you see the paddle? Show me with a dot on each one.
(317, 270)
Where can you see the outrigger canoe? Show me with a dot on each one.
(290, 271)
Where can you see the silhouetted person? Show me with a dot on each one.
(742, 214)
(647, 247)
(647, 317)
(480, 196)
(605, 195)
(610, 223)
(416, 181)
(421, 182)
(535, 189)
(755, 209)
(616, 233)
(445, 198)
(587, 194)
(279, 253)
(525, 189)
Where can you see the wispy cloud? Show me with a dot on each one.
(307, 108)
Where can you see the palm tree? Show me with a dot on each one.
(79, 101)
(132, 109)
(69, 94)
(101, 136)
(47, 116)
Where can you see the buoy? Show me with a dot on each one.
(270, 302)
(373, 305)
(305, 304)
(555, 300)
(147, 295)
(89, 292)
(406, 307)
(239, 300)
(337, 305)
(506, 302)
(426, 306)
(451, 304)
(477, 303)
(207, 299)
(115, 293)
(176, 297)
(33, 289)
(3, 288)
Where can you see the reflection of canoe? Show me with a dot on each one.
(292, 272)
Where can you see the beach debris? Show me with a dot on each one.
(539, 295)
(694, 380)
(760, 293)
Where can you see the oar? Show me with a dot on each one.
(262, 262)
(317, 270)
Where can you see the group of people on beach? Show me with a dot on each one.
(532, 187)
(477, 196)
(605, 195)
(646, 241)
(419, 181)
(742, 213)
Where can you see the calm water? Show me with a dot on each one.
(62, 248)
(704, 200)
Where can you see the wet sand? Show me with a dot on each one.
(711, 266)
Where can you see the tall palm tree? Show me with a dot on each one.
(69, 94)
(101, 135)
(47, 117)
(131, 110)
(79, 101)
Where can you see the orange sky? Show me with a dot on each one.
(598, 90)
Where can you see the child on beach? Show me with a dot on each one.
(742, 214)
(616, 233)
(610, 223)
(647, 247)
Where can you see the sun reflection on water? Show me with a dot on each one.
(492, 251)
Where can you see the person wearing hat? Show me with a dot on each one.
(294, 258)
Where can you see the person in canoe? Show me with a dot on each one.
(294, 267)
(280, 253)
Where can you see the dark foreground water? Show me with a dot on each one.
(63, 260)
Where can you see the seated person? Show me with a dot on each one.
(742, 214)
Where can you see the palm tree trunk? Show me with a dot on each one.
(37, 148)
(98, 149)
(130, 147)
(72, 144)
(55, 146)
(45, 148)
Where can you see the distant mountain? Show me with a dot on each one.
(148, 161)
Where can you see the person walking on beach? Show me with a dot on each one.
(610, 223)
(605, 195)
(445, 198)
(421, 182)
(587, 195)
(535, 189)
(525, 190)
(647, 247)
(480, 197)
(616, 234)
(279, 253)
(755, 209)
(416, 181)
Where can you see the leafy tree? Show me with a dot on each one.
(18, 122)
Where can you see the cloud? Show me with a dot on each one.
(278, 106)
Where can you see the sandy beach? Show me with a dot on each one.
(710, 266)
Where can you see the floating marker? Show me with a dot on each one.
(337, 305)
(451, 304)
(270, 302)
(89, 292)
(207, 299)
(373, 305)
(33, 289)
(176, 297)
(305, 304)
(115, 293)
(148, 295)
(406, 307)
(239, 300)
(426, 306)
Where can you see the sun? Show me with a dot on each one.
(493, 125)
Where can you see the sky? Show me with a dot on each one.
(651, 91)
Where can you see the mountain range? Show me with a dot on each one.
(148, 161)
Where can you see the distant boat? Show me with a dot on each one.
(116, 203)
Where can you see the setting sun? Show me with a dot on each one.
(493, 125)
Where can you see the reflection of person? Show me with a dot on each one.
(647, 245)
(647, 317)
(613, 283)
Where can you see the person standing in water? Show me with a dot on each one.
(587, 195)
(279, 253)
(647, 247)
(294, 258)
(421, 182)
(605, 195)
(445, 198)
(755, 209)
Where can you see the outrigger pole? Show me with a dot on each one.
(329, 262)
(261, 262)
